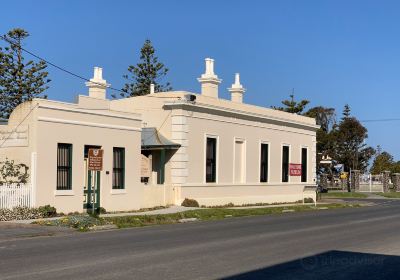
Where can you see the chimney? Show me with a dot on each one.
(151, 88)
(209, 81)
(237, 90)
(97, 85)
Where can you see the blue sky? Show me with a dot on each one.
(331, 52)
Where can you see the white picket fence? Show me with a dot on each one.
(15, 195)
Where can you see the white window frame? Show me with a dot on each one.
(206, 135)
(280, 163)
(244, 166)
(259, 161)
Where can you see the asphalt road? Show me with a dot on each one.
(361, 243)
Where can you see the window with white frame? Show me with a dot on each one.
(264, 156)
(211, 160)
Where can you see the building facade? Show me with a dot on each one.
(161, 148)
(230, 152)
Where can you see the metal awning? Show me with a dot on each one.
(153, 140)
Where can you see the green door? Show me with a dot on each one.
(91, 190)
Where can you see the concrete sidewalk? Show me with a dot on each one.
(170, 210)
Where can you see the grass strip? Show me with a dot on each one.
(343, 195)
(390, 194)
(210, 214)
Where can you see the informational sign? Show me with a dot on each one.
(95, 159)
(295, 169)
(145, 167)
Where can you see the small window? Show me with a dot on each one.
(285, 164)
(304, 164)
(264, 163)
(118, 180)
(211, 160)
(64, 166)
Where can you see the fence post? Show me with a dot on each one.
(355, 180)
(385, 181)
(396, 181)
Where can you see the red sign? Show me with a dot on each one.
(294, 169)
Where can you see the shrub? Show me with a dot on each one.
(190, 203)
(308, 200)
(102, 210)
(48, 211)
(80, 222)
(26, 213)
(20, 213)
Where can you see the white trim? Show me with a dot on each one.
(64, 193)
(259, 161)
(88, 111)
(290, 158)
(251, 125)
(241, 112)
(118, 191)
(119, 127)
(244, 163)
(207, 135)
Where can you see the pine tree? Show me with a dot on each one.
(20, 81)
(292, 106)
(346, 111)
(148, 71)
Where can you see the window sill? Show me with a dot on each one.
(64, 193)
(118, 191)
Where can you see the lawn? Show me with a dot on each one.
(390, 194)
(210, 214)
(343, 195)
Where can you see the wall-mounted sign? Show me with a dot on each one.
(295, 169)
(145, 167)
(95, 162)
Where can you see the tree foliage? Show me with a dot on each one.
(382, 162)
(350, 147)
(344, 142)
(292, 106)
(148, 71)
(20, 81)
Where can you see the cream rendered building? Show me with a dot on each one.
(53, 139)
(160, 149)
(230, 152)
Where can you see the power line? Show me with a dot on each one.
(381, 120)
(56, 66)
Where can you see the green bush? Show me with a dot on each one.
(308, 200)
(190, 203)
(48, 211)
(102, 210)
(20, 213)
(80, 222)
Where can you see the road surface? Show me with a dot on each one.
(362, 243)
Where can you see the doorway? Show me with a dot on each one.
(91, 189)
(239, 161)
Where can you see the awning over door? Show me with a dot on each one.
(153, 140)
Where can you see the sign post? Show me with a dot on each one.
(95, 163)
